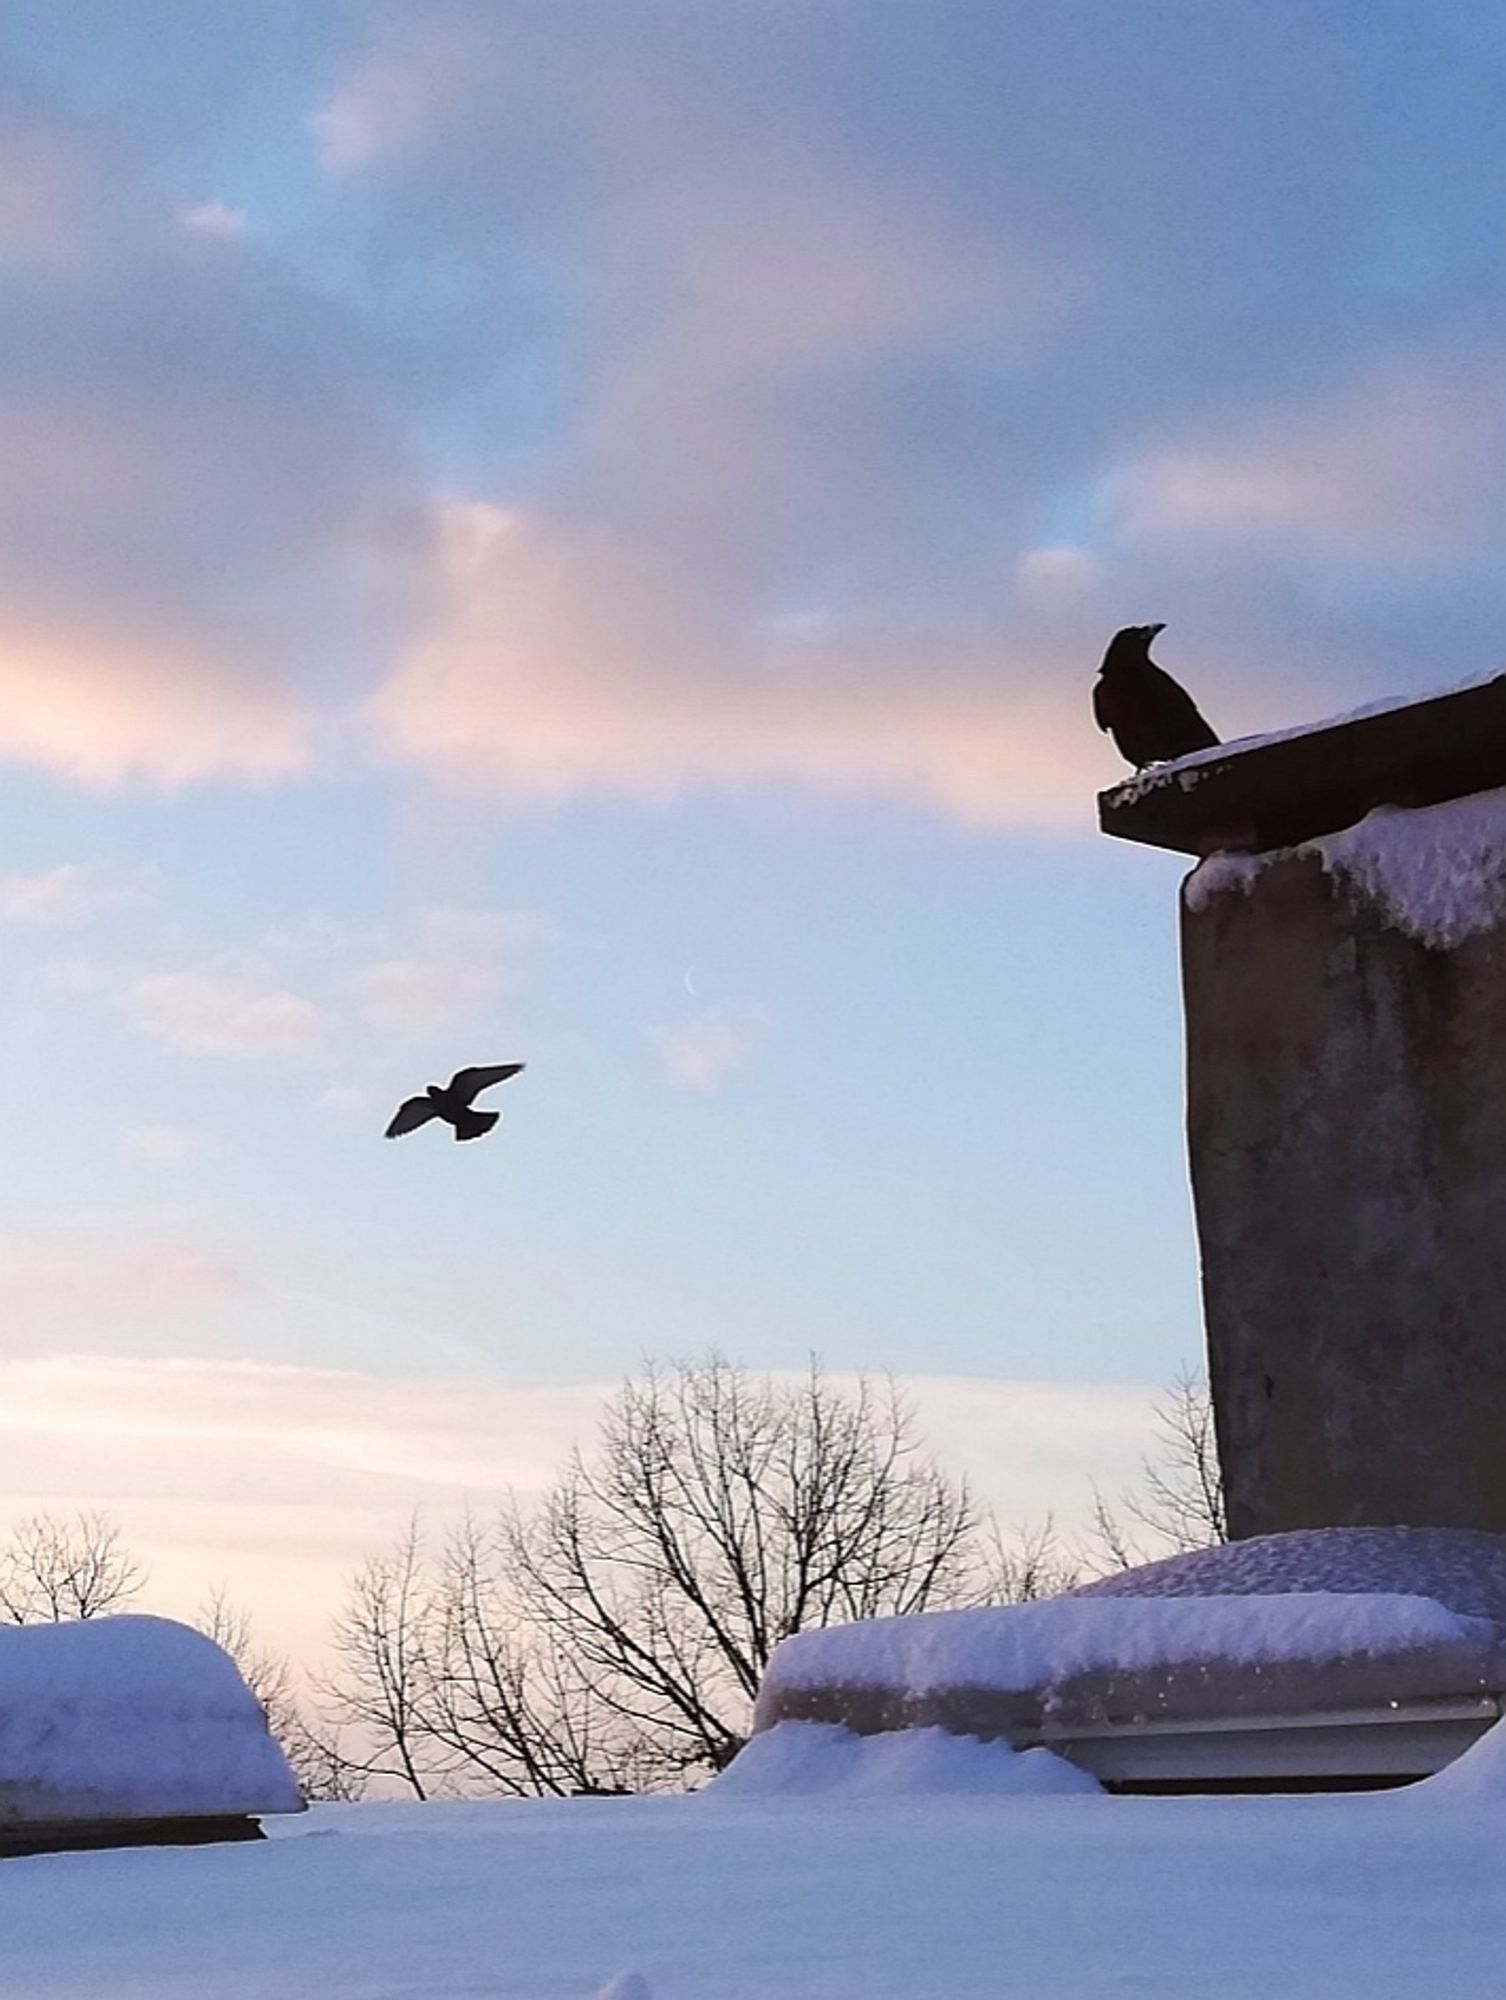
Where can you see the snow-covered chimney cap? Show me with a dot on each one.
(1265, 792)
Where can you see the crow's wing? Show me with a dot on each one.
(1102, 713)
(467, 1084)
(411, 1113)
(1181, 712)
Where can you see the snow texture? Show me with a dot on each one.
(1436, 873)
(1395, 1896)
(1187, 772)
(1462, 1569)
(1020, 1647)
(126, 1718)
(1218, 874)
(626, 1986)
(823, 1759)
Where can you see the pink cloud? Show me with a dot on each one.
(200, 504)
(561, 665)
(703, 1048)
(203, 1010)
(764, 294)
(42, 192)
(93, 700)
(287, 994)
(161, 1145)
(75, 892)
(78, 1271)
(1057, 574)
(1405, 460)
(460, 960)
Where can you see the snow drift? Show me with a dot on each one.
(823, 1759)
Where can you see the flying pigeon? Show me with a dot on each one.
(1150, 716)
(453, 1103)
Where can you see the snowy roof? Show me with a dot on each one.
(1462, 1569)
(130, 1718)
(1341, 1621)
(1020, 1648)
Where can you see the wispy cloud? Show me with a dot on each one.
(559, 667)
(288, 994)
(1402, 460)
(703, 1048)
(462, 960)
(207, 1012)
(341, 1100)
(279, 1479)
(75, 892)
(51, 1277)
(214, 218)
(161, 1145)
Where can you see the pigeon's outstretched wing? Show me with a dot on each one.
(410, 1114)
(466, 1085)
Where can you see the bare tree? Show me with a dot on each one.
(1033, 1566)
(1182, 1495)
(1180, 1499)
(507, 1706)
(326, 1771)
(53, 1569)
(374, 1700)
(614, 1636)
(720, 1513)
(322, 1771)
(268, 1675)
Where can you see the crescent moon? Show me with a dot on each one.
(690, 983)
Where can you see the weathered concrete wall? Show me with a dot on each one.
(1346, 1106)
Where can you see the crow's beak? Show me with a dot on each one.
(1152, 630)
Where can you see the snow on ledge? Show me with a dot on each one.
(1014, 1649)
(1437, 873)
(130, 1718)
(1187, 772)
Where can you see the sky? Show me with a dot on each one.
(560, 532)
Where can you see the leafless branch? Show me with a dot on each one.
(613, 1636)
(53, 1569)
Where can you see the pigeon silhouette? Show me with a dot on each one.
(453, 1102)
(1150, 716)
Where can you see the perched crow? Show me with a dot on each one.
(453, 1103)
(1150, 717)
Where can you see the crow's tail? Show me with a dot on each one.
(471, 1124)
